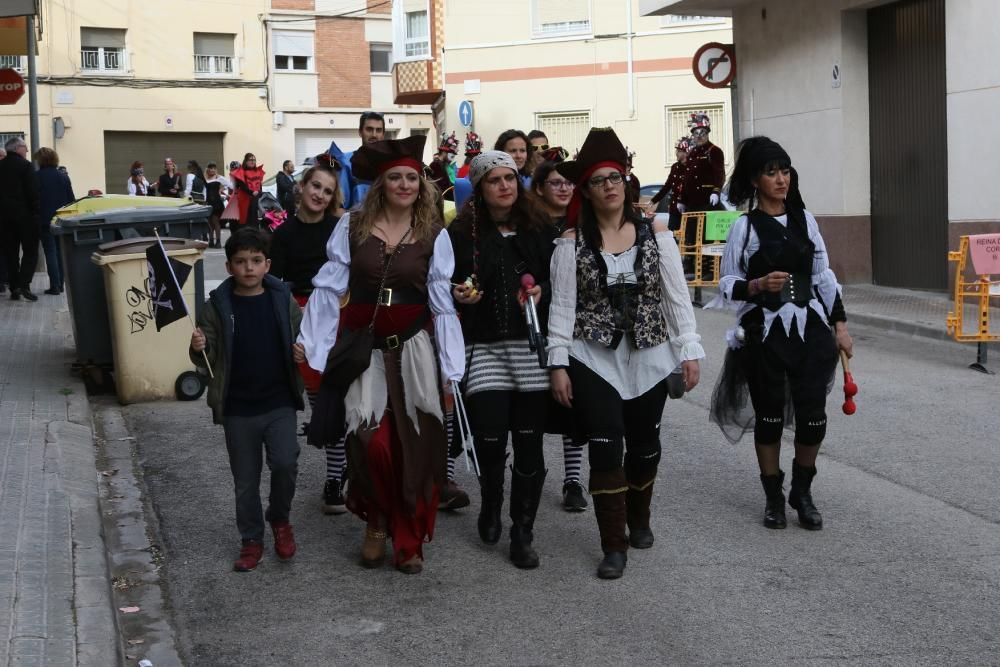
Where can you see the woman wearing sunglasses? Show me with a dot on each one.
(620, 322)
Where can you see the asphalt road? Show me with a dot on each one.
(905, 571)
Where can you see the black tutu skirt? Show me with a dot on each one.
(780, 364)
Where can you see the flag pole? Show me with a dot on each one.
(187, 310)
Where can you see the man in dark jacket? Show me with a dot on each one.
(19, 209)
(286, 186)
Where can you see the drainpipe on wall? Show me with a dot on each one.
(631, 78)
(629, 68)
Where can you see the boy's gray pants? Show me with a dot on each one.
(276, 432)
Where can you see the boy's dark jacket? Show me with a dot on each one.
(215, 322)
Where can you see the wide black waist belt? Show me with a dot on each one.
(797, 289)
(389, 296)
(396, 340)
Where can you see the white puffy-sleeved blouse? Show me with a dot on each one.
(632, 372)
(321, 319)
(824, 281)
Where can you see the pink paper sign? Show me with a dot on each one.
(985, 251)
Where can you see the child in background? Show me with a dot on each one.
(247, 330)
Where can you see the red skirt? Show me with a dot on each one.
(396, 474)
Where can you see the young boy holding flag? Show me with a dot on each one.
(247, 331)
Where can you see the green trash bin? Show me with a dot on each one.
(81, 235)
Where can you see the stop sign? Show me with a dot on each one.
(11, 86)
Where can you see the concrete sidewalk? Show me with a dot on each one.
(55, 594)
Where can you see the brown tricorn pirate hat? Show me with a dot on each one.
(601, 145)
(372, 160)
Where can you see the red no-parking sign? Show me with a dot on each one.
(714, 65)
(11, 86)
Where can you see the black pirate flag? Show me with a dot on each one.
(166, 277)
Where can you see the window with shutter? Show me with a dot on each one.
(411, 30)
(293, 50)
(214, 53)
(567, 129)
(556, 18)
(102, 50)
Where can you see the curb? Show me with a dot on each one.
(133, 544)
(898, 326)
(73, 441)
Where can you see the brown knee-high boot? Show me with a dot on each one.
(608, 490)
(641, 474)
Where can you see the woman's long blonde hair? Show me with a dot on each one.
(426, 214)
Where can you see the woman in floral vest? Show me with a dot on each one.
(620, 321)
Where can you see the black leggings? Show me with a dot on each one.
(494, 414)
(612, 425)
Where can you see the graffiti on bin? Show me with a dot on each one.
(142, 305)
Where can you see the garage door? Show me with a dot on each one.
(310, 143)
(121, 149)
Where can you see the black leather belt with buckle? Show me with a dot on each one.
(395, 341)
(389, 296)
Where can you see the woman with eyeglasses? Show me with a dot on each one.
(791, 326)
(553, 192)
(502, 243)
(621, 320)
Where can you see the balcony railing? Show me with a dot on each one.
(102, 59)
(204, 64)
(12, 62)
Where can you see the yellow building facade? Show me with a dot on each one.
(121, 81)
(563, 66)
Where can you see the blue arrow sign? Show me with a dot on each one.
(465, 113)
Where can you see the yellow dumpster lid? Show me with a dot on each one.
(93, 204)
(119, 251)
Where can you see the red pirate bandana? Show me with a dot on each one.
(401, 162)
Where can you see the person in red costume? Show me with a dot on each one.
(473, 147)
(247, 180)
(674, 185)
(703, 179)
(441, 164)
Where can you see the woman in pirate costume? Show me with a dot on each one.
(396, 261)
(499, 238)
(620, 322)
(553, 193)
(791, 323)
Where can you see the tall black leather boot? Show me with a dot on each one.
(774, 510)
(491, 487)
(640, 474)
(525, 494)
(608, 492)
(800, 497)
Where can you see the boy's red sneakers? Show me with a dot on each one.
(250, 555)
(284, 540)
